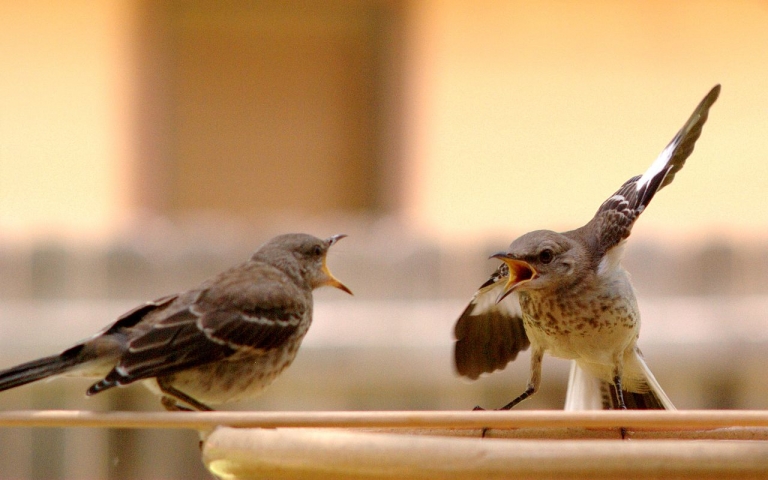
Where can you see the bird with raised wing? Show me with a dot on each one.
(223, 341)
(566, 294)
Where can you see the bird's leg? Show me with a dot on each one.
(169, 401)
(172, 405)
(619, 392)
(620, 397)
(533, 383)
(527, 393)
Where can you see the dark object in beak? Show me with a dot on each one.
(519, 272)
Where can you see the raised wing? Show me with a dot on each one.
(615, 217)
(489, 335)
(673, 157)
(239, 312)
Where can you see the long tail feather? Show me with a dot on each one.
(585, 392)
(38, 369)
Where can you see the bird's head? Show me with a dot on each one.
(308, 253)
(539, 260)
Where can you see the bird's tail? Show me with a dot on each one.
(42, 368)
(587, 392)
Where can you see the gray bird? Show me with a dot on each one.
(220, 342)
(567, 294)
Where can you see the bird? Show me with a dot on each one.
(223, 341)
(567, 295)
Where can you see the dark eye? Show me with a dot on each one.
(317, 250)
(546, 256)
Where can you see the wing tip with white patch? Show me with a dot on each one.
(698, 117)
(658, 166)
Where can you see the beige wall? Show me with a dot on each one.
(527, 115)
(65, 108)
(114, 110)
(515, 115)
(274, 109)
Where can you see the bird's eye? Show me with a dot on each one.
(546, 256)
(317, 250)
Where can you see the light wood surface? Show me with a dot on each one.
(446, 444)
(661, 420)
(332, 454)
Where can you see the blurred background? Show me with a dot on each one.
(147, 145)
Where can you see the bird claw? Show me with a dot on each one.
(478, 408)
(171, 405)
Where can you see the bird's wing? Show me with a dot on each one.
(132, 317)
(615, 217)
(242, 311)
(489, 335)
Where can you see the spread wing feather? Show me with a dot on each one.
(489, 335)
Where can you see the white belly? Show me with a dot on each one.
(588, 326)
(601, 342)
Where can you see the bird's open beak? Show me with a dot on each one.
(519, 273)
(331, 281)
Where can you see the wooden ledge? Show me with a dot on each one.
(697, 444)
(536, 419)
(334, 454)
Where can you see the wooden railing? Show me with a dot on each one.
(448, 444)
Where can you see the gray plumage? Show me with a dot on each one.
(222, 341)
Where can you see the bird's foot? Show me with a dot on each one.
(478, 408)
(171, 405)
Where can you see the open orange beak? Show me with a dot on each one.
(519, 273)
(331, 281)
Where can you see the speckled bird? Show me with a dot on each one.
(566, 294)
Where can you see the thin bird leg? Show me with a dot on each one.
(620, 398)
(527, 393)
(169, 403)
(172, 405)
(618, 371)
(533, 383)
(619, 392)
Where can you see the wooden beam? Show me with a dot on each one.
(332, 454)
(658, 420)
